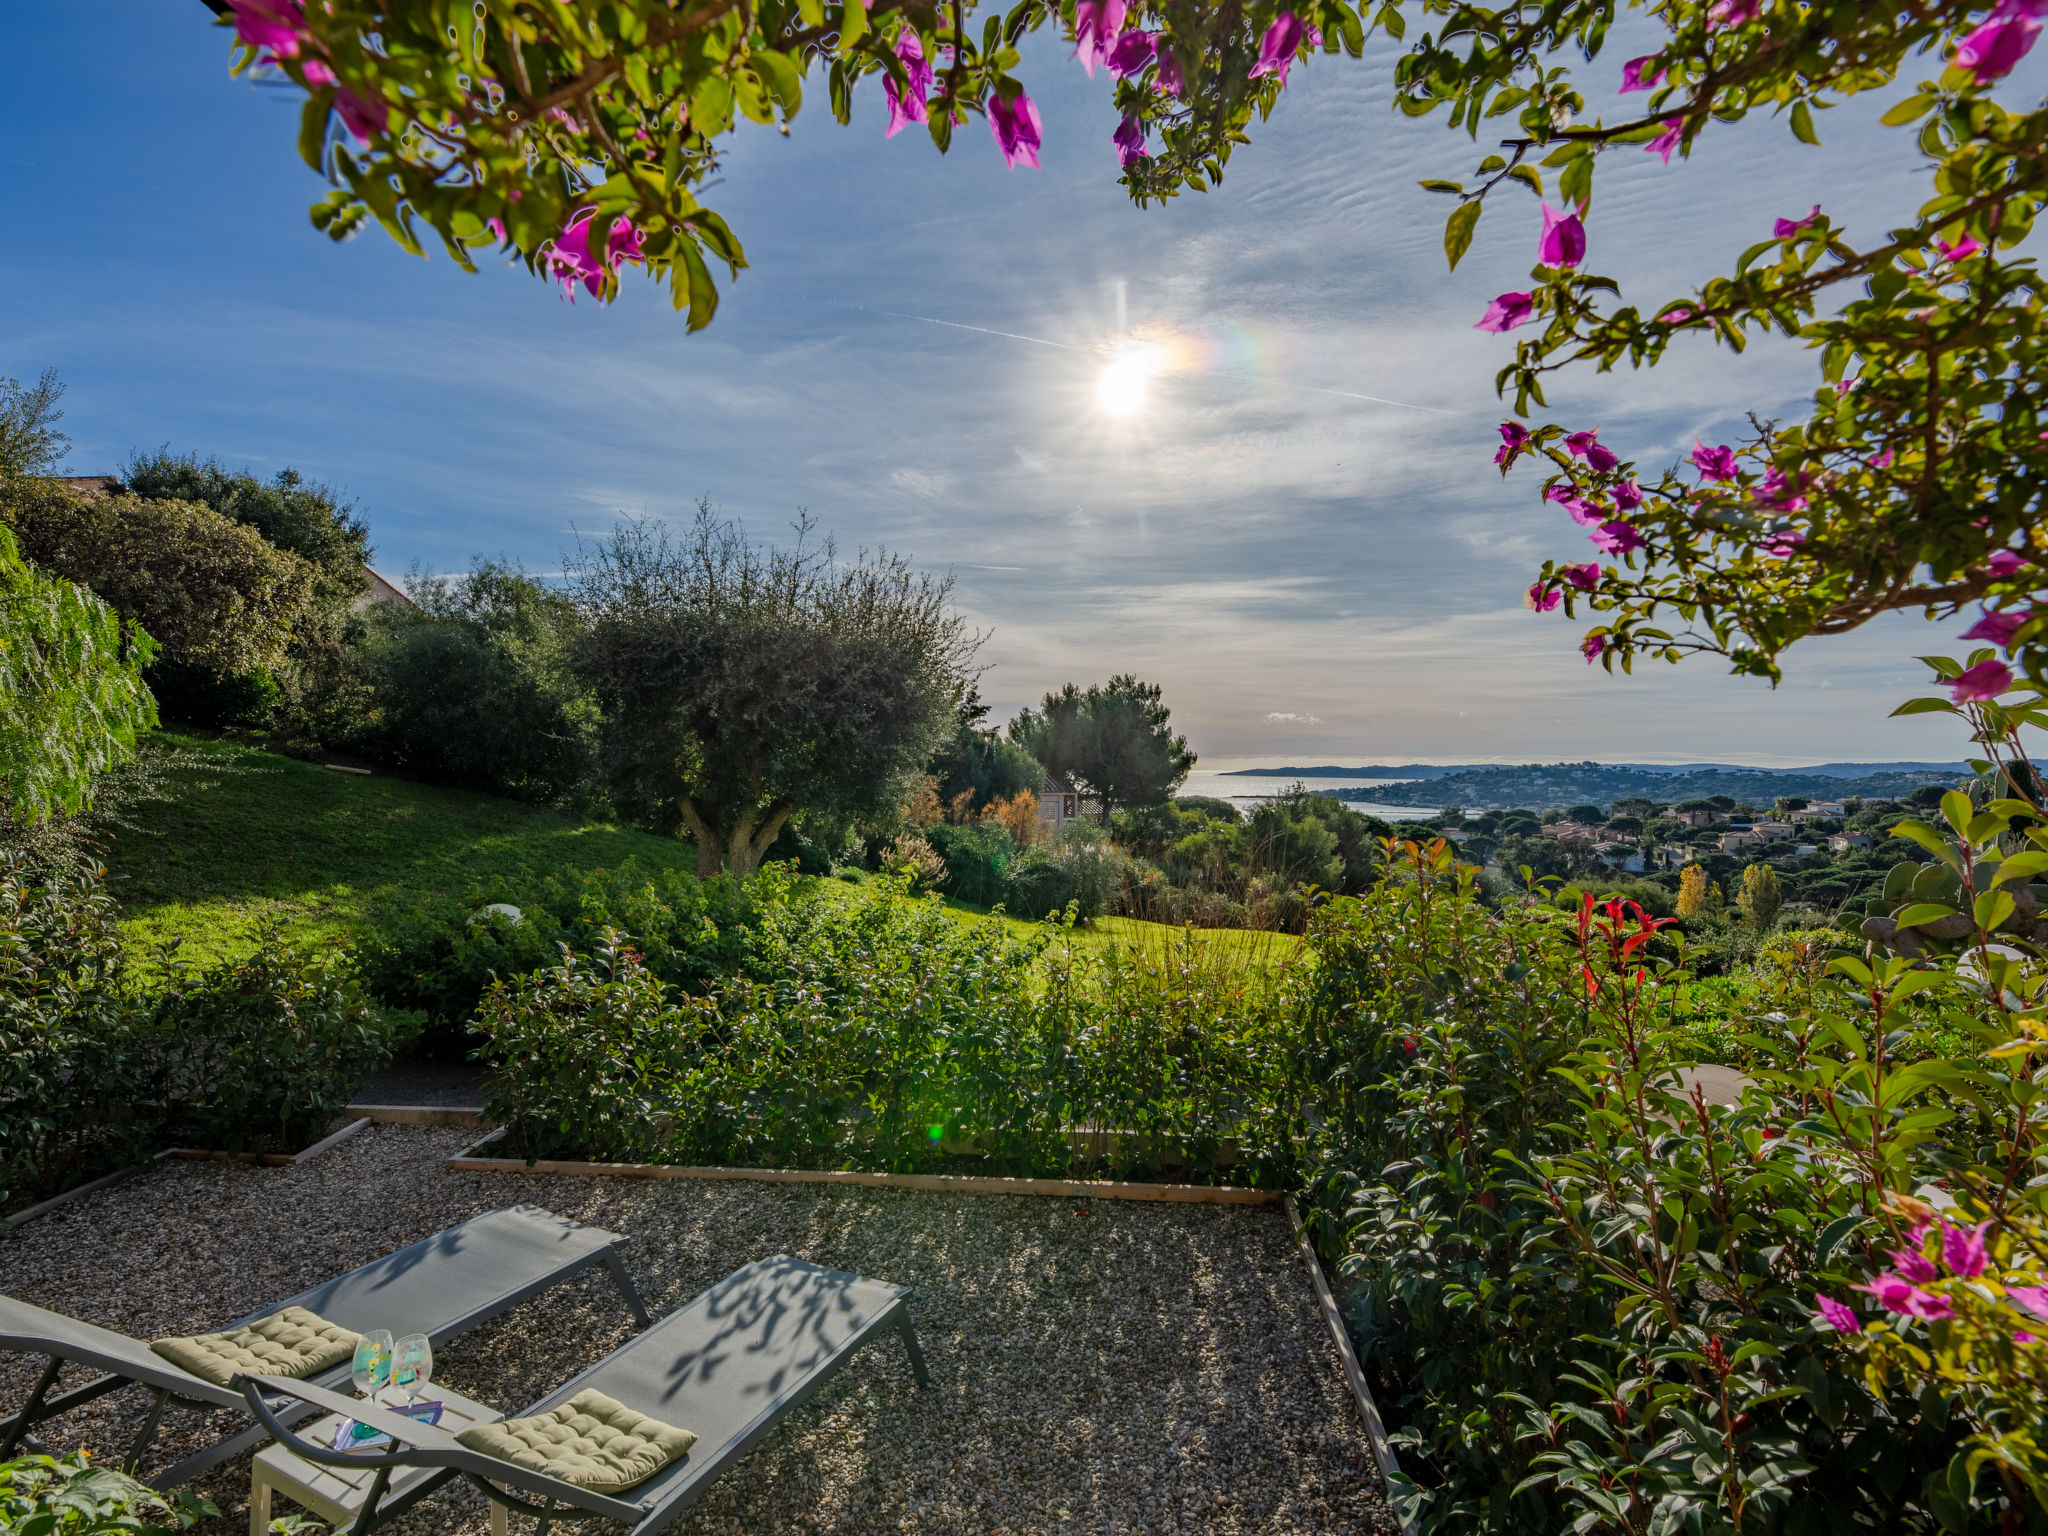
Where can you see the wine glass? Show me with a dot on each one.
(412, 1365)
(371, 1368)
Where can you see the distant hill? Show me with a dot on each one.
(1556, 785)
(1444, 770)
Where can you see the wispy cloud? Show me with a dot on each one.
(1278, 717)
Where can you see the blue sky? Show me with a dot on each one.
(1312, 576)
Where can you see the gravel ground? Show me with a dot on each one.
(1119, 1368)
(415, 1080)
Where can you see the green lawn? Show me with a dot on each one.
(323, 853)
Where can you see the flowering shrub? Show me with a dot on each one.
(1590, 1296)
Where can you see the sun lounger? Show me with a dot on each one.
(727, 1367)
(442, 1287)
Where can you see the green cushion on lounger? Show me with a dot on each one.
(590, 1441)
(289, 1342)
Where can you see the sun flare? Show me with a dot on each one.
(1123, 384)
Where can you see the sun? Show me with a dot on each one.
(1125, 380)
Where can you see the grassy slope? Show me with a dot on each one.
(323, 852)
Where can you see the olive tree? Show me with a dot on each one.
(740, 684)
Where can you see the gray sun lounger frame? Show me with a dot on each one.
(442, 1286)
(729, 1366)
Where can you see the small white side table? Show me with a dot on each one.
(336, 1494)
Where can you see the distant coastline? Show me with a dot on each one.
(1445, 770)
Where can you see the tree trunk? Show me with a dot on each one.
(741, 851)
(708, 860)
(745, 852)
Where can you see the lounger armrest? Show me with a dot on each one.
(422, 1445)
(413, 1440)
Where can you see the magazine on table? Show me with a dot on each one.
(351, 1436)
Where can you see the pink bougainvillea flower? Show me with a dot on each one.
(907, 102)
(1634, 75)
(1628, 495)
(1616, 538)
(1782, 546)
(1513, 438)
(1169, 77)
(1129, 140)
(1960, 250)
(1593, 647)
(497, 227)
(1017, 129)
(1732, 13)
(1837, 1316)
(279, 25)
(1785, 229)
(1962, 1250)
(1779, 492)
(1717, 464)
(1998, 626)
(1587, 446)
(362, 115)
(1913, 1266)
(1668, 140)
(1133, 51)
(1563, 243)
(1506, 312)
(1881, 460)
(2031, 1298)
(1898, 1295)
(571, 259)
(2000, 42)
(1585, 577)
(1986, 680)
(2007, 562)
(1542, 598)
(1583, 512)
(317, 73)
(1276, 48)
(1096, 25)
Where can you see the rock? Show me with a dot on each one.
(1948, 929)
(2026, 909)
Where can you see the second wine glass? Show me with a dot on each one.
(412, 1365)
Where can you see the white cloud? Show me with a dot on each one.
(1279, 717)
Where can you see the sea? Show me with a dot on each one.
(1246, 791)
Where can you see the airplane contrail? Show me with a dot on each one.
(1040, 341)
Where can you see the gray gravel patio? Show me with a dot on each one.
(1121, 1368)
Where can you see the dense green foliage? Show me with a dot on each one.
(67, 1496)
(304, 519)
(883, 1035)
(740, 685)
(72, 696)
(476, 687)
(439, 956)
(102, 1060)
(212, 592)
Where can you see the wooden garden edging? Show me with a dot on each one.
(467, 1161)
(264, 1159)
(1375, 1428)
(19, 1218)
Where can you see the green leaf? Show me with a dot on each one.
(1457, 187)
(1925, 707)
(1910, 110)
(1458, 230)
(1992, 909)
(1923, 912)
(1575, 183)
(1802, 123)
(1529, 176)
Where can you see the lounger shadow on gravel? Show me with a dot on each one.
(728, 1367)
(442, 1286)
